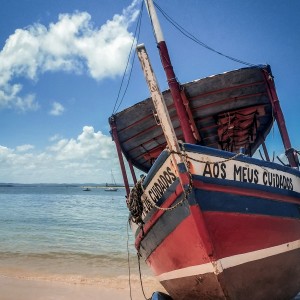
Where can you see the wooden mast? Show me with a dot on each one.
(163, 115)
(158, 101)
(186, 124)
(113, 127)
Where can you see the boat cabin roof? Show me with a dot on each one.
(230, 110)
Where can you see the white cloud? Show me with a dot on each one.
(9, 97)
(88, 146)
(5, 152)
(24, 148)
(55, 137)
(57, 109)
(70, 44)
(87, 158)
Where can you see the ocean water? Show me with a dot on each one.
(64, 233)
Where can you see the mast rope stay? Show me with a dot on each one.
(135, 39)
(196, 40)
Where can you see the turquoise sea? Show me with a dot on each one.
(60, 232)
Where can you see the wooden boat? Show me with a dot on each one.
(210, 220)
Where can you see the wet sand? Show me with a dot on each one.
(32, 289)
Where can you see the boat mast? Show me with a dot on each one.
(181, 165)
(186, 124)
(158, 100)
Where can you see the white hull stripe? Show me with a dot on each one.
(229, 262)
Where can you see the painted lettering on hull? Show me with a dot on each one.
(161, 184)
(248, 173)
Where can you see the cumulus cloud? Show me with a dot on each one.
(24, 148)
(88, 146)
(57, 109)
(70, 44)
(87, 158)
(55, 137)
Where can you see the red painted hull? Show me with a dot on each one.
(231, 235)
(234, 283)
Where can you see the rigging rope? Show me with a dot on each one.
(140, 273)
(298, 153)
(135, 38)
(196, 40)
(132, 54)
(128, 260)
(139, 265)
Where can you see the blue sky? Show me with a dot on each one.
(62, 64)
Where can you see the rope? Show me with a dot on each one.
(209, 162)
(196, 40)
(140, 273)
(297, 152)
(186, 194)
(220, 161)
(136, 38)
(136, 201)
(128, 261)
(129, 269)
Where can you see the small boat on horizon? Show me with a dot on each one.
(209, 219)
(86, 189)
(112, 187)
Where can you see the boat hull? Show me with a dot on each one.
(236, 237)
(184, 269)
(248, 281)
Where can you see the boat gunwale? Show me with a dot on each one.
(129, 120)
(219, 153)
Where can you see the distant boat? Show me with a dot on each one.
(111, 187)
(86, 189)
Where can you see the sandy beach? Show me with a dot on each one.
(29, 289)
(63, 244)
(33, 289)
